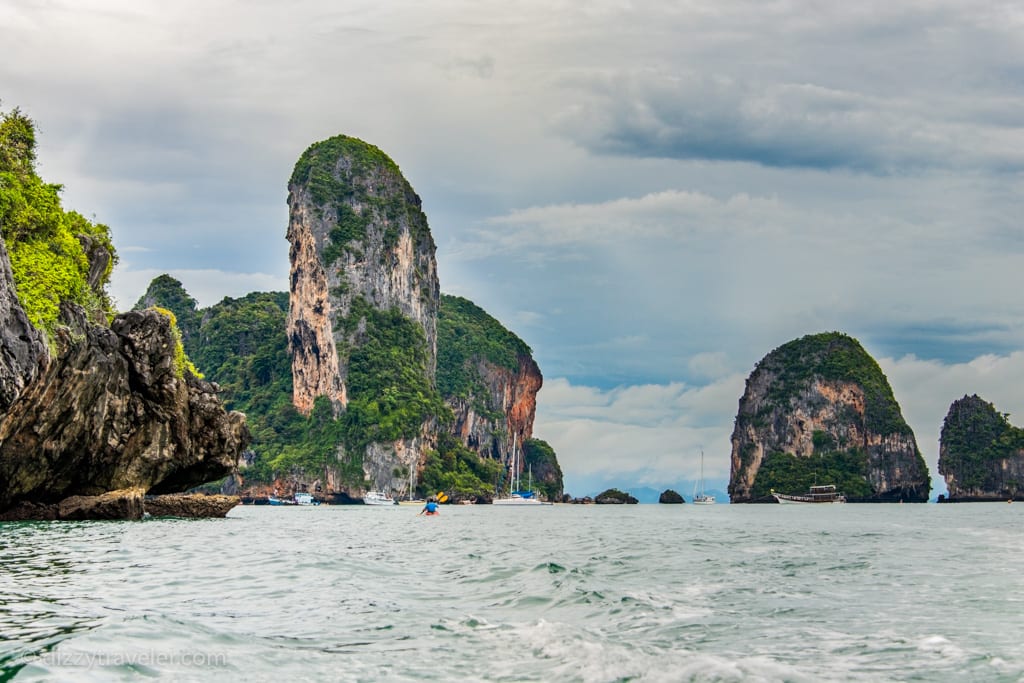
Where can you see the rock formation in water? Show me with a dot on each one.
(362, 319)
(489, 379)
(112, 411)
(92, 416)
(670, 497)
(981, 455)
(820, 410)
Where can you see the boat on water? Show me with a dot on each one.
(300, 498)
(378, 498)
(826, 493)
(702, 498)
(519, 497)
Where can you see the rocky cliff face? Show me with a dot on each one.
(23, 352)
(358, 239)
(363, 287)
(112, 412)
(506, 406)
(819, 410)
(981, 455)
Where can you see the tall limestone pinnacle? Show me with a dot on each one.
(363, 304)
(819, 410)
(359, 241)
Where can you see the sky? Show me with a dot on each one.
(652, 194)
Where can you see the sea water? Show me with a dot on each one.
(552, 593)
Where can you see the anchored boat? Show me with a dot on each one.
(825, 493)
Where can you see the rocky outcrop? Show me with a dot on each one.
(190, 505)
(820, 410)
(358, 239)
(363, 286)
(615, 497)
(981, 455)
(670, 497)
(113, 411)
(506, 405)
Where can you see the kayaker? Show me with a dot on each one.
(430, 508)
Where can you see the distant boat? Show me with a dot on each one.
(300, 498)
(516, 497)
(825, 493)
(702, 498)
(377, 498)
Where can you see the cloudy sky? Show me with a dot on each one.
(652, 194)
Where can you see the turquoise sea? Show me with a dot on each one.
(558, 593)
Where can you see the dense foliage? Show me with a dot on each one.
(466, 334)
(358, 184)
(459, 471)
(838, 357)
(389, 388)
(974, 434)
(242, 345)
(539, 458)
(47, 245)
(787, 473)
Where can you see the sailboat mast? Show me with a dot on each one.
(513, 486)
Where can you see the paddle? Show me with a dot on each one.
(442, 497)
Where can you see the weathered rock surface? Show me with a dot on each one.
(112, 412)
(670, 497)
(615, 497)
(123, 504)
(190, 505)
(357, 234)
(981, 455)
(23, 352)
(821, 402)
(359, 244)
(507, 406)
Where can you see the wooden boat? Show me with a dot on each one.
(825, 493)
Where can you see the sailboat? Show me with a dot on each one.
(702, 498)
(515, 496)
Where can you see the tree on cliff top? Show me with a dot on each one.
(49, 247)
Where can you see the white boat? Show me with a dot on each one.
(302, 498)
(818, 494)
(516, 497)
(377, 498)
(702, 498)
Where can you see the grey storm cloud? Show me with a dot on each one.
(785, 125)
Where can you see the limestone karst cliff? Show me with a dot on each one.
(981, 455)
(489, 379)
(819, 410)
(93, 415)
(362, 319)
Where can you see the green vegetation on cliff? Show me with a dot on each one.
(786, 473)
(358, 183)
(389, 389)
(466, 334)
(974, 434)
(241, 344)
(787, 375)
(49, 247)
(459, 471)
(837, 357)
(539, 458)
